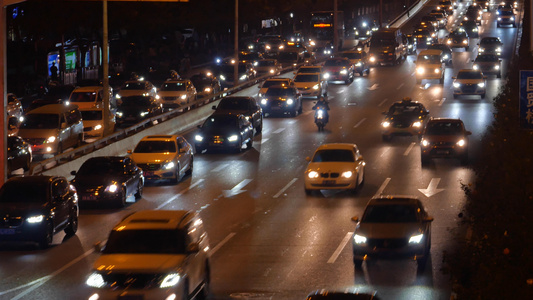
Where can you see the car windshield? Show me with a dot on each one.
(100, 167)
(506, 13)
(470, 75)
(422, 32)
(132, 101)
(134, 86)
(40, 121)
(220, 121)
(233, 104)
(486, 58)
(309, 70)
(269, 83)
(91, 115)
(18, 192)
(393, 213)
(174, 86)
(83, 97)
(429, 59)
(288, 56)
(335, 63)
(444, 128)
(334, 155)
(155, 147)
(228, 69)
(490, 41)
(403, 109)
(352, 55)
(266, 63)
(146, 242)
(306, 78)
(280, 92)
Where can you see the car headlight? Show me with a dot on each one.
(233, 138)
(445, 56)
(429, 38)
(35, 219)
(117, 96)
(456, 85)
(416, 239)
(183, 97)
(222, 77)
(207, 90)
(475, 67)
(424, 142)
(198, 138)
(312, 43)
(290, 101)
(97, 127)
(359, 239)
(313, 174)
(512, 18)
(95, 280)
(119, 114)
(316, 87)
(448, 41)
(344, 71)
(51, 139)
(385, 124)
(326, 75)
(169, 165)
(410, 46)
(499, 18)
(420, 70)
(481, 50)
(271, 71)
(417, 124)
(499, 49)
(437, 70)
(496, 67)
(264, 101)
(112, 188)
(347, 174)
(372, 59)
(461, 143)
(243, 77)
(481, 84)
(144, 113)
(474, 30)
(465, 42)
(170, 280)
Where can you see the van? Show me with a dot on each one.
(91, 97)
(429, 65)
(93, 123)
(52, 128)
(387, 46)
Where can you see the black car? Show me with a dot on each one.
(134, 109)
(225, 73)
(471, 28)
(34, 208)
(411, 43)
(474, 13)
(206, 84)
(108, 180)
(404, 117)
(423, 38)
(458, 39)
(446, 52)
(224, 131)
(282, 99)
(488, 64)
(444, 138)
(246, 106)
(18, 154)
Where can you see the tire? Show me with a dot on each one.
(59, 148)
(418, 81)
(176, 175)
(358, 263)
(191, 167)
(293, 113)
(301, 109)
(27, 165)
(48, 237)
(80, 141)
(249, 144)
(204, 292)
(441, 80)
(355, 190)
(514, 25)
(361, 73)
(421, 264)
(498, 25)
(499, 75)
(367, 71)
(386, 138)
(121, 201)
(424, 160)
(259, 128)
(140, 187)
(464, 159)
(466, 48)
(482, 96)
(72, 227)
(455, 96)
(308, 192)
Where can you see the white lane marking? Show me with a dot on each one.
(179, 194)
(341, 246)
(225, 240)
(383, 102)
(352, 103)
(382, 187)
(293, 121)
(400, 86)
(409, 149)
(359, 123)
(432, 188)
(385, 151)
(236, 189)
(285, 188)
(279, 130)
(373, 87)
(220, 168)
(442, 101)
(264, 140)
(340, 92)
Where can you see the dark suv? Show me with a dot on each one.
(35, 214)
(282, 99)
(223, 131)
(246, 106)
(444, 138)
(404, 117)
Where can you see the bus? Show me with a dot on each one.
(322, 28)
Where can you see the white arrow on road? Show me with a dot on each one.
(432, 188)
(373, 87)
(236, 189)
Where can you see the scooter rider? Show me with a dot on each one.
(323, 103)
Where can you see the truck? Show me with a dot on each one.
(387, 46)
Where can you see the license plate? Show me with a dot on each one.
(276, 108)
(443, 152)
(88, 198)
(130, 118)
(148, 173)
(328, 182)
(6, 231)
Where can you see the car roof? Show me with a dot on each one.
(107, 158)
(394, 199)
(32, 179)
(430, 52)
(447, 120)
(279, 79)
(161, 137)
(88, 89)
(53, 109)
(329, 146)
(155, 219)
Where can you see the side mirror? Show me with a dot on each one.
(73, 173)
(308, 158)
(454, 77)
(360, 158)
(182, 150)
(384, 113)
(63, 125)
(98, 246)
(414, 61)
(199, 126)
(468, 132)
(130, 151)
(428, 219)
(193, 248)
(214, 107)
(355, 219)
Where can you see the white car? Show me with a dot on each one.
(335, 166)
(469, 82)
(154, 254)
(177, 93)
(311, 85)
(137, 88)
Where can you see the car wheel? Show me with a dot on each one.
(386, 138)
(514, 25)
(204, 293)
(499, 75)
(300, 110)
(308, 192)
(368, 71)
(464, 159)
(176, 175)
(498, 25)
(80, 141)
(356, 188)
(455, 96)
(358, 263)
(441, 80)
(425, 160)
(140, 187)
(59, 148)
(482, 96)
(361, 73)
(250, 143)
(466, 48)
(27, 165)
(48, 237)
(121, 199)
(72, 227)
(293, 113)
(259, 128)
(191, 167)
(421, 264)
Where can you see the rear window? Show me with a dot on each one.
(334, 155)
(390, 214)
(146, 242)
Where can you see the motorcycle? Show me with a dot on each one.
(321, 117)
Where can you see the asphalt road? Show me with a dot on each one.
(271, 241)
